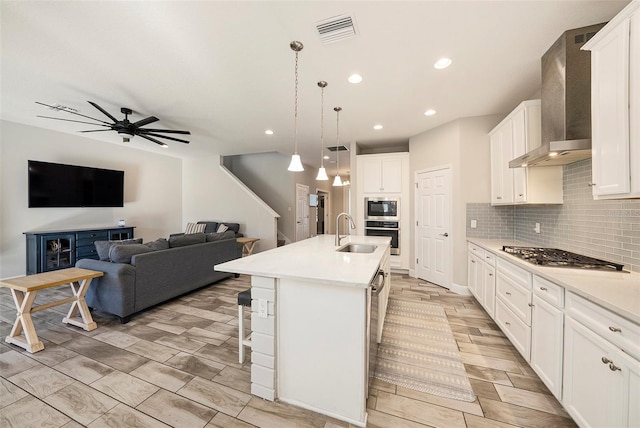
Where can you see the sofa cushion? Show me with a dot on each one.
(123, 253)
(222, 228)
(194, 228)
(211, 226)
(103, 247)
(229, 234)
(158, 244)
(183, 240)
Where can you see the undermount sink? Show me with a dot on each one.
(357, 248)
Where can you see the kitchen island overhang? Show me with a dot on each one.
(311, 349)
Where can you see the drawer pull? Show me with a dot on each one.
(473, 261)
(605, 360)
(531, 305)
(490, 274)
(507, 293)
(507, 323)
(543, 288)
(615, 329)
(614, 368)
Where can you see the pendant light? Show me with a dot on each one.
(337, 181)
(296, 163)
(322, 172)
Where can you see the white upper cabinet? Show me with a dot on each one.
(382, 174)
(615, 106)
(516, 135)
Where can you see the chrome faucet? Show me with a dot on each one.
(352, 224)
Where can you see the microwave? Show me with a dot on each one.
(382, 209)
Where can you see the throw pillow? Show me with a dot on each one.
(194, 228)
(158, 244)
(222, 228)
(183, 240)
(103, 247)
(229, 234)
(123, 253)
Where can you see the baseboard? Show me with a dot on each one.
(462, 290)
(412, 273)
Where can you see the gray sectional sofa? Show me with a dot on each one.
(155, 276)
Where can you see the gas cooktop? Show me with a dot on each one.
(559, 258)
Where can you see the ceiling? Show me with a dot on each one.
(224, 70)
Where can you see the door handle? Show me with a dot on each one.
(444, 234)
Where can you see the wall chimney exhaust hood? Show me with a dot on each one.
(566, 102)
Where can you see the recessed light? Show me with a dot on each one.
(442, 63)
(377, 127)
(430, 112)
(268, 132)
(355, 78)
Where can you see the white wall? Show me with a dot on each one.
(153, 189)
(463, 144)
(211, 192)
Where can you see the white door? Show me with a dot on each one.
(433, 226)
(302, 212)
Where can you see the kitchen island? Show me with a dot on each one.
(310, 318)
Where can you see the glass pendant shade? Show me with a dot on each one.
(322, 174)
(296, 163)
(337, 181)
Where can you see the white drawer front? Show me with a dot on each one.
(548, 291)
(474, 249)
(615, 329)
(517, 298)
(489, 258)
(519, 275)
(513, 327)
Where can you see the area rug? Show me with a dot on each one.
(418, 351)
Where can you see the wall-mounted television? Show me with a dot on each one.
(54, 185)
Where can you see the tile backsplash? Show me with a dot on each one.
(608, 230)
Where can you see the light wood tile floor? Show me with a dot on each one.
(177, 365)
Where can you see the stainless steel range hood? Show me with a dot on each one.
(566, 102)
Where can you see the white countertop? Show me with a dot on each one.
(314, 259)
(616, 291)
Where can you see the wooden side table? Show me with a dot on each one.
(247, 245)
(24, 289)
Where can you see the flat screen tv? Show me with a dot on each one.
(54, 185)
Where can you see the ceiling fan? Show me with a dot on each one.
(126, 129)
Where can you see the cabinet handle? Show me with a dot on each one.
(615, 329)
(521, 195)
(487, 257)
(591, 184)
(543, 288)
(499, 197)
(490, 274)
(531, 305)
(507, 323)
(473, 261)
(614, 368)
(605, 360)
(507, 293)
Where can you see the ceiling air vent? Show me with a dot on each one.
(336, 28)
(337, 148)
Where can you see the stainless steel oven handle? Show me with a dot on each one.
(382, 228)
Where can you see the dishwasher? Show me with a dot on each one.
(375, 288)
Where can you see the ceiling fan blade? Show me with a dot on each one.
(146, 121)
(106, 113)
(166, 131)
(70, 112)
(160, 143)
(97, 130)
(165, 136)
(108, 125)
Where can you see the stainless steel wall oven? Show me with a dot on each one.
(385, 228)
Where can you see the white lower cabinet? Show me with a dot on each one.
(481, 277)
(547, 324)
(601, 383)
(514, 328)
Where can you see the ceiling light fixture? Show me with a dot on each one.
(377, 127)
(442, 63)
(355, 78)
(268, 132)
(296, 163)
(322, 172)
(337, 181)
(430, 112)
